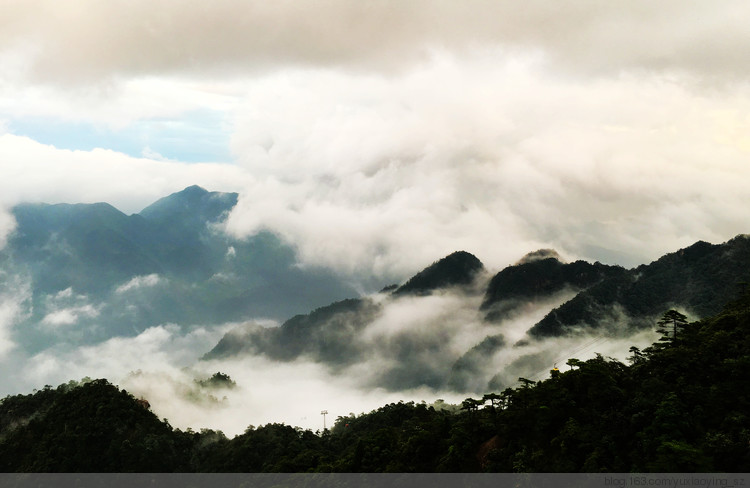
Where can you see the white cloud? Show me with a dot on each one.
(139, 282)
(466, 126)
(9, 310)
(161, 348)
(38, 172)
(69, 316)
(492, 155)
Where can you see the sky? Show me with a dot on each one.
(377, 136)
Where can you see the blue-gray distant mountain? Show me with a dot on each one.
(96, 272)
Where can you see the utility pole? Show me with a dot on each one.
(324, 413)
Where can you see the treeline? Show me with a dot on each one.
(680, 405)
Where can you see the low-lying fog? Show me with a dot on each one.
(412, 337)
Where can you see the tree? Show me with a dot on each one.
(573, 362)
(638, 357)
(471, 405)
(494, 399)
(671, 321)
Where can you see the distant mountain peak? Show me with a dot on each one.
(701, 278)
(539, 255)
(458, 268)
(539, 277)
(193, 200)
(192, 190)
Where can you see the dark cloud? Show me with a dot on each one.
(88, 40)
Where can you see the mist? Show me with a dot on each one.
(414, 348)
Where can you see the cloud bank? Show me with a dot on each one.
(490, 155)
(52, 42)
(411, 352)
(377, 136)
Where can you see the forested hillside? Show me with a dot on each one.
(680, 405)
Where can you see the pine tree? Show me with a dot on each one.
(670, 323)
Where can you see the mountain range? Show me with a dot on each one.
(88, 272)
(94, 272)
(594, 300)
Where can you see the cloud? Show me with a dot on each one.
(588, 129)
(160, 365)
(161, 348)
(69, 316)
(7, 226)
(146, 281)
(37, 172)
(410, 351)
(492, 155)
(94, 40)
(8, 312)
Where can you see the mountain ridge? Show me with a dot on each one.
(332, 334)
(199, 273)
(698, 278)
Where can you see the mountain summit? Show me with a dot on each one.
(538, 276)
(699, 279)
(193, 203)
(458, 268)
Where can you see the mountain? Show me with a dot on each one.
(191, 206)
(90, 427)
(458, 268)
(697, 279)
(326, 334)
(83, 246)
(421, 336)
(94, 272)
(334, 334)
(609, 301)
(537, 276)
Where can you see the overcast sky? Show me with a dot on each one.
(379, 136)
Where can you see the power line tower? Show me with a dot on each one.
(324, 413)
